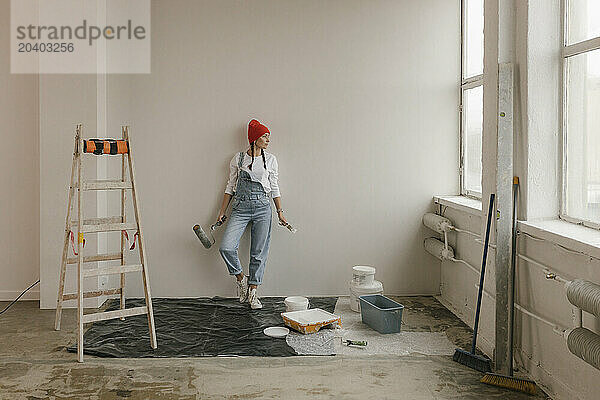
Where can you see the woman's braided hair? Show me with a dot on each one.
(262, 152)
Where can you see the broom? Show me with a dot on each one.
(510, 382)
(472, 360)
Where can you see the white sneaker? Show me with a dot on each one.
(242, 289)
(255, 304)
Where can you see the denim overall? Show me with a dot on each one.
(250, 204)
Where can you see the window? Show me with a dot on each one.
(471, 100)
(581, 113)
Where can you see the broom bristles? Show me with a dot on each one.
(474, 361)
(510, 382)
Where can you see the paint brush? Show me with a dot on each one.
(290, 228)
(356, 343)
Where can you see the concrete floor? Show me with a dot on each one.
(34, 364)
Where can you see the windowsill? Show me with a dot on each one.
(571, 236)
(461, 203)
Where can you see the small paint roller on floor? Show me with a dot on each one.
(355, 343)
(206, 241)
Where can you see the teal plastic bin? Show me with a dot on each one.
(380, 313)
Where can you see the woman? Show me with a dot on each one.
(253, 179)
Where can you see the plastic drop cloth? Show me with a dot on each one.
(200, 327)
(321, 343)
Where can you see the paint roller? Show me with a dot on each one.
(443, 251)
(443, 225)
(437, 249)
(437, 223)
(206, 241)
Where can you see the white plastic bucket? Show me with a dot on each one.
(363, 275)
(296, 303)
(359, 290)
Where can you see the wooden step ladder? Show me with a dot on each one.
(82, 226)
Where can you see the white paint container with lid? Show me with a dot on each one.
(356, 291)
(296, 303)
(363, 275)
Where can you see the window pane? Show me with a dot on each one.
(584, 20)
(582, 175)
(472, 134)
(473, 38)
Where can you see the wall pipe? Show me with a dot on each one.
(442, 251)
(466, 232)
(550, 274)
(556, 328)
(467, 264)
(577, 317)
(559, 246)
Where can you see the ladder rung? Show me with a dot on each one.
(98, 257)
(87, 295)
(104, 225)
(105, 185)
(119, 269)
(101, 316)
(98, 221)
(119, 226)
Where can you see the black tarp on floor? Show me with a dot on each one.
(201, 327)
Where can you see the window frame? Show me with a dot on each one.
(569, 50)
(465, 84)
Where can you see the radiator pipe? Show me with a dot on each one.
(584, 295)
(585, 344)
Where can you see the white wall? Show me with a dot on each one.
(361, 99)
(65, 101)
(19, 174)
(77, 94)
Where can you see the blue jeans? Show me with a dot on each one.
(254, 209)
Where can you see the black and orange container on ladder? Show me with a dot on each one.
(105, 146)
(80, 227)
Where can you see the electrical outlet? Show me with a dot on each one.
(103, 281)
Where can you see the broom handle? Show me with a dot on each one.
(513, 265)
(485, 251)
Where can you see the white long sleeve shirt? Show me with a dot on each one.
(269, 178)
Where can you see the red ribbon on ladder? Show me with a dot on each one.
(137, 234)
(81, 240)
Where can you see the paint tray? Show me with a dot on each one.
(310, 321)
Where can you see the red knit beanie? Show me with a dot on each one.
(256, 130)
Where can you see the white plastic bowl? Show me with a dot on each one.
(296, 303)
(276, 331)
